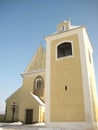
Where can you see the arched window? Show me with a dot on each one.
(38, 88)
(64, 49)
(38, 83)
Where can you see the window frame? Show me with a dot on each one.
(64, 57)
(38, 91)
(36, 81)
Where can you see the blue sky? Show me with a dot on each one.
(23, 25)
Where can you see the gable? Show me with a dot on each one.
(38, 60)
(14, 96)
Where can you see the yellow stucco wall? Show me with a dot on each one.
(66, 106)
(14, 97)
(29, 103)
(28, 82)
(97, 113)
(20, 95)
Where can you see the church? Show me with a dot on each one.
(59, 83)
(27, 104)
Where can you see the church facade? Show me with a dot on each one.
(27, 104)
(59, 82)
(70, 81)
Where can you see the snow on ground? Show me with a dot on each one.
(20, 126)
(38, 126)
(10, 124)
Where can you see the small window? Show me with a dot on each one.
(64, 49)
(38, 86)
(38, 83)
(66, 88)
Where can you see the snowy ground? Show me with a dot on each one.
(10, 124)
(20, 126)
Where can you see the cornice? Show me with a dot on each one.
(64, 33)
(32, 73)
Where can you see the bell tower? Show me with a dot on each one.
(71, 99)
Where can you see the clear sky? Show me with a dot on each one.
(23, 25)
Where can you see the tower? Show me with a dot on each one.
(71, 99)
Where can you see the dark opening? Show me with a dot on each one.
(29, 116)
(38, 84)
(38, 88)
(66, 88)
(64, 49)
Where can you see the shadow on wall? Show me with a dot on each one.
(2, 117)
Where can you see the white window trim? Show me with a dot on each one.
(65, 57)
